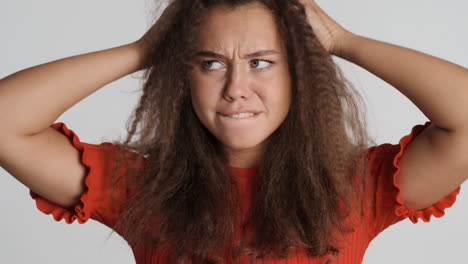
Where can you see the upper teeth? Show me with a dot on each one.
(242, 115)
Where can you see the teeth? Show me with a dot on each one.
(242, 115)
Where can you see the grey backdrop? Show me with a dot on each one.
(35, 32)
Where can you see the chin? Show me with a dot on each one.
(241, 145)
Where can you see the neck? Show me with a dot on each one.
(246, 158)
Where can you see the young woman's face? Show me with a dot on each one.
(241, 67)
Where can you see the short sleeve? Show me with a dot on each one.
(383, 192)
(95, 201)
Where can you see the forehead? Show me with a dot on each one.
(249, 27)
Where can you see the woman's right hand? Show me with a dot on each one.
(148, 41)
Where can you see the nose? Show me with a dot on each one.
(237, 85)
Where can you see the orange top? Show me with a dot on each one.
(382, 190)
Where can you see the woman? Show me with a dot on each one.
(237, 162)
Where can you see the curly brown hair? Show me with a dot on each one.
(307, 181)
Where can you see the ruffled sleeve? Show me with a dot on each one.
(95, 201)
(383, 190)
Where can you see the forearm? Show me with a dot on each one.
(32, 99)
(437, 87)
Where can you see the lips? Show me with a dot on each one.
(238, 125)
(239, 112)
(225, 117)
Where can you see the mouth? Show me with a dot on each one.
(243, 118)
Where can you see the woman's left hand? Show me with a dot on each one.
(330, 34)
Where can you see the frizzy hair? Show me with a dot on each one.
(184, 200)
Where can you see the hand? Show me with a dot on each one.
(330, 34)
(147, 43)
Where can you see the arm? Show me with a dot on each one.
(34, 153)
(32, 99)
(436, 161)
(61, 84)
(437, 87)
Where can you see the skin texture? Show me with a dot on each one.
(225, 84)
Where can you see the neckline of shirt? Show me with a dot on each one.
(244, 172)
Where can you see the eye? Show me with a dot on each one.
(209, 63)
(206, 65)
(258, 61)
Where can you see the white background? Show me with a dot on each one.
(35, 32)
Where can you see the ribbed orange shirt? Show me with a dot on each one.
(383, 190)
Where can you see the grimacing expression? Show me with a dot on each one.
(241, 66)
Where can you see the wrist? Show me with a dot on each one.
(140, 50)
(344, 47)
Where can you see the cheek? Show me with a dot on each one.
(196, 91)
(203, 98)
(278, 96)
(277, 88)
(285, 91)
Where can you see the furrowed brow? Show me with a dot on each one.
(211, 54)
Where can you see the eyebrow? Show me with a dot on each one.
(207, 53)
